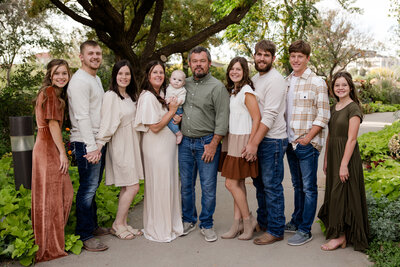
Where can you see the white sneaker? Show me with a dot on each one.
(209, 234)
(188, 227)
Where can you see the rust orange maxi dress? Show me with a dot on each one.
(52, 191)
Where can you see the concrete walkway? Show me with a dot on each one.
(192, 250)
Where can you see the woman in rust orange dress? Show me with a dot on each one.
(52, 190)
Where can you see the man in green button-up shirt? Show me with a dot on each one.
(204, 122)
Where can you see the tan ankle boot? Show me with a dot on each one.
(249, 226)
(236, 229)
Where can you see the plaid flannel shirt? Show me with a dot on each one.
(310, 107)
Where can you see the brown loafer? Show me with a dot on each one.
(101, 231)
(266, 239)
(94, 245)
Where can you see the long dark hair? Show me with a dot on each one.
(230, 85)
(60, 92)
(146, 85)
(131, 89)
(353, 92)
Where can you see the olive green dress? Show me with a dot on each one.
(344, 209)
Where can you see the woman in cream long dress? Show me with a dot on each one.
(162, 217)
(123, 158)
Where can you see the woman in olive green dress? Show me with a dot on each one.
(344, 212)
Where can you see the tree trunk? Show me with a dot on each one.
(185, 63)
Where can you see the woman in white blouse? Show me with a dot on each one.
(244, 119)
(123, 158)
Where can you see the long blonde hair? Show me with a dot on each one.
(60, 92)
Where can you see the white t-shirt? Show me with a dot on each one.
(289, 107)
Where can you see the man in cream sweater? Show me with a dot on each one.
(85, 94)
(271, 141)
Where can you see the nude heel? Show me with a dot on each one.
(344, 244)
(249, 225)
(236, 229)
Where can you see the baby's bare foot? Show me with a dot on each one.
(179, 137)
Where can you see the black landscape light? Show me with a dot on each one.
(22, 141)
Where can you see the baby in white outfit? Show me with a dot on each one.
(176, 89)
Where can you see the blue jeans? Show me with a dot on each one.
(189, 156)
(90, 176)
(175, 127)
(269, 189)
(303, 163)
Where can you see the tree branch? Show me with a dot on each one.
(154, 29)
(72, 14)
(138, 19)
(112, 13)
(234, 17)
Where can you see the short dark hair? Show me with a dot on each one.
(131, 89)
(300, 46)
(266, 46)
(198, 50)
(87, 43)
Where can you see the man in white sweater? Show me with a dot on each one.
(269, 144)
(85, 93)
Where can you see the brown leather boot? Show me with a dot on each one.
(249, 226)
(236, 228)
(266, 239)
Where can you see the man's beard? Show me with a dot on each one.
(201, 74)
(266, 69)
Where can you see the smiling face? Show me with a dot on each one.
(177, 79)
(59, 76)
(341, 88)
(156, 77)
(299, 62)
(91, 58)
(199, 64)
(123, 77)
(236, 73)
(263, 61)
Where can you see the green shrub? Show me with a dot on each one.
(383, 179)
(383, 215)
(384, 253)
(379, 107)
(374, 145)
(16, 100)
(16, 233)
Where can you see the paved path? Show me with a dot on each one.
(192, 250)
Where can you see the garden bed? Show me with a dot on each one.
(16, 233)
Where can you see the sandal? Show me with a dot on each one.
(135, 232)
(122, 233)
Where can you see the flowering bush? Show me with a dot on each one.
(394, 146)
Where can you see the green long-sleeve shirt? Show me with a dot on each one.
(206, 108)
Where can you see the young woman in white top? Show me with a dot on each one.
(244, 119)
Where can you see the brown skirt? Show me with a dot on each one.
(231, 164)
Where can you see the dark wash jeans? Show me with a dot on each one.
(269, 189)
(90, 176)
(303, 164)
(190, 152)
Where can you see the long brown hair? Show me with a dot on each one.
(146, 85)
(60, 92)
(230, 85)
(353, 92)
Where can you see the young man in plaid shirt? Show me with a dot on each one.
(307, 115)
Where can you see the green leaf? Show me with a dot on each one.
(77, 247)
(26, 261)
